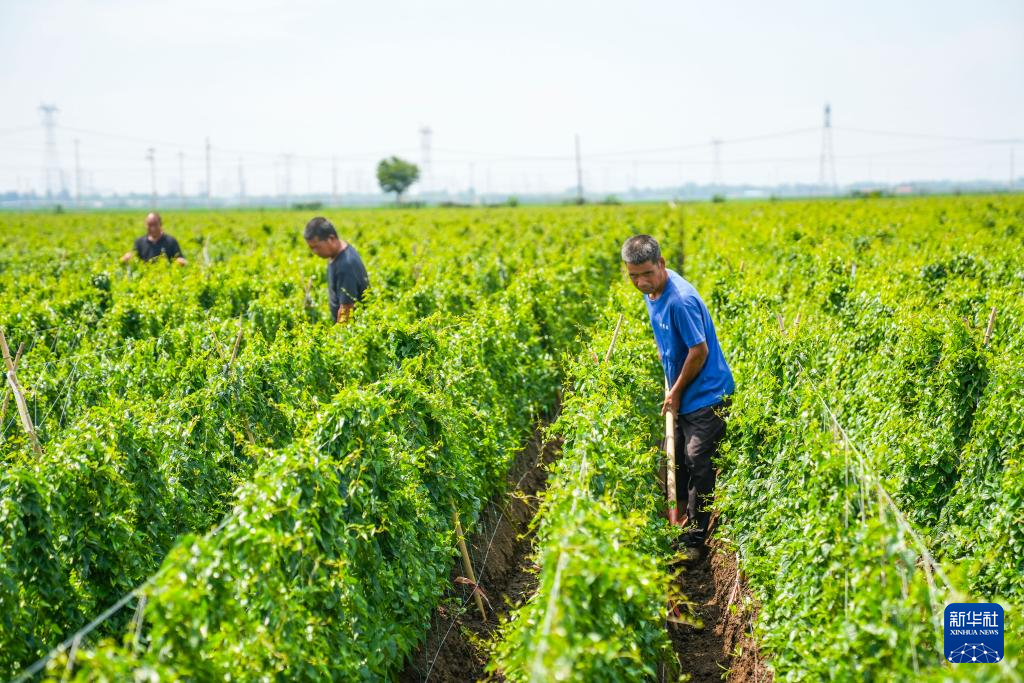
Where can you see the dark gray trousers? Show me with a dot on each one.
(697, 437)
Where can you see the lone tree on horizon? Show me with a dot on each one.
(396, 175)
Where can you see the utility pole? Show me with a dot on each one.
(827, 168)
(181, 178)
(288, 179)
(716, 169)
(1013, 173)
(209, 174)
(51, 162)
(78, 177)
(241, 182)
(151, 158)
(579, 173)
(426, 181)
(334, 181)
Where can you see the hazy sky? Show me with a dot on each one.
(505, 86)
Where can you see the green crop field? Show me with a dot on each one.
(263, 495)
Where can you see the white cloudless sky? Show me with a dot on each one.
(505, 86)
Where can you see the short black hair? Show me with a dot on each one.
(319, 229)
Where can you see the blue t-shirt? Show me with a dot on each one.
(681, 320)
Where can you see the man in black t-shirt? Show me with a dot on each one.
(155, 243)
(346, 275)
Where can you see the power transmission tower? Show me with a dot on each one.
(151, 158)
(78, 177)
(579, 173)
(426, 136)
(51, 161)
(827, 169)
(209, 174)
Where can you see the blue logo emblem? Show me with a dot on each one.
(974, 632)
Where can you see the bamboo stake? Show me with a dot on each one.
(615, 336)
(991, 323)
(238, 342)
(7, 396)
(670, 469)
(19, 397)
(308, 301)
(467, 564)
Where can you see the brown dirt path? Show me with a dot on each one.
(501, 548)
(724, 649)
(455, 650)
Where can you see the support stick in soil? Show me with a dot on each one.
(19, 397)
(615, 336)
(467, 564)
(7, 396)
(991, 324)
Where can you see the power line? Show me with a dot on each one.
(927, 136)
(635, 152)
(626, 152)
(17, 129)
(197, 147)
(608, 159)
(703, 145)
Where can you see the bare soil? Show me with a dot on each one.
(501, 548)
(724, 648)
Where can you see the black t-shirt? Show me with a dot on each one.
(346, 279)
(166, 245)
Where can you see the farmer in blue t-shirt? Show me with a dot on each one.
(699, 379)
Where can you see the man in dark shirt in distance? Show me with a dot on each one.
(346, 275)
(155, 243)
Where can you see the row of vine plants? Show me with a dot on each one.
(171, 432)
(872, 469)
(603, 545)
